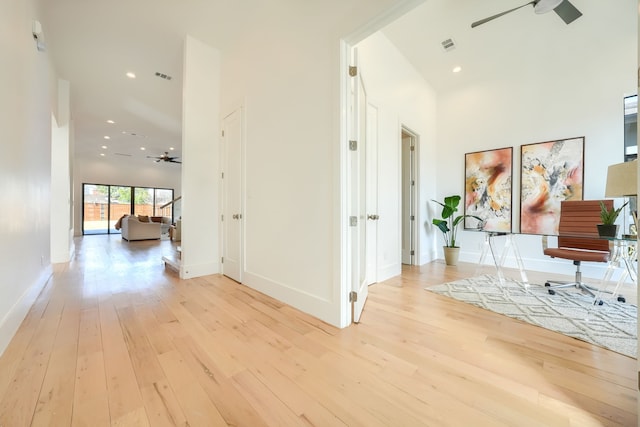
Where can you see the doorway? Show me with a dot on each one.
(232, 196)
(408, 141)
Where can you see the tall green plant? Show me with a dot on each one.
(449, 223)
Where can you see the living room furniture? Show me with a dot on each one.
(578, 240)
(135, 229)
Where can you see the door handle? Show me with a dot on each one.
(373, 217)
(235, 216)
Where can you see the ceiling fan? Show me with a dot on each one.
(165, 158)
(563, 8)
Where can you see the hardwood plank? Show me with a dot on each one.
(195, 403)
(55, 403)
(91, 402)
(125, 400)
(115, 339)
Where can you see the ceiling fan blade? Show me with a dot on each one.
(567, 12)
(175, 161)
(491, 18)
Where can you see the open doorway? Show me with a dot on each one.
(408, 196)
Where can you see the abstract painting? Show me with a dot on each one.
(488, 191)
(551, 172)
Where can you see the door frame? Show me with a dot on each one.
(222, 190)
(415, 236)
(342, 260)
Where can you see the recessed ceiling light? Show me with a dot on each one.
(142, 148)
(110, 122)
(171, 148)
(106, 137)
(457, 69)
(131, 75)
(102, 154)
(104, 147)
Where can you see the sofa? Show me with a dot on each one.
(140, 228)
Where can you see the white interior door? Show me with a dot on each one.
(358, 198)
(408, 198)
(371, 185)
(232, 212)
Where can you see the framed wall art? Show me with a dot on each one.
(551, 172)
(488, 189)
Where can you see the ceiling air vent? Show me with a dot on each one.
(163, 76)
(122, 154)
(448, 45)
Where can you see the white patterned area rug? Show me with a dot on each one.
(611, 325)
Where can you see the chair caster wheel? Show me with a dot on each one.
(547, 284)
(600, 302)
(552, 292)
(622, 299)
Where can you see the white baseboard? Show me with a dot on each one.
(324, 309)
(389, 271)
(198, 270)
(591, 270)
(13, 319)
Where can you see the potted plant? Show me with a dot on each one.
(448, 224)
(609, 228)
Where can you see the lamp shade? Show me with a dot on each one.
(622, 180)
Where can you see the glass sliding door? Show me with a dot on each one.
(162, 197)
(143, 201)
(119, 204)
(104, 205)
(95, 212)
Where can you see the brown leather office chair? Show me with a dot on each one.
(578, 240)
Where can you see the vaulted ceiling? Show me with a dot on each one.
(94, 44)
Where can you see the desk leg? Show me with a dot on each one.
(516, 252)
(495, 260)
(483, 255)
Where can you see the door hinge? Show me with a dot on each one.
(222, 175)
(353, 70)
(222, 217)
(412, 148)
(413, 252)
(353, 221)
(412, 217)
(222, 133)
(413, 183)
(353, 296)
(353, 145)
(222, 260)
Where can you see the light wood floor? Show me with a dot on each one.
(114, 339)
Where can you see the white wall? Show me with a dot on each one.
(574, 87)
(402, 97)
(286, 74)
(62, 246)
(25, 165)
(201, 162)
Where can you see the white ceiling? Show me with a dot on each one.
(94, 43)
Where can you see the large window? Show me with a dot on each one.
(630, 128)
(103, 205)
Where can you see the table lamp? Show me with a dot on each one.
(622, 181)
